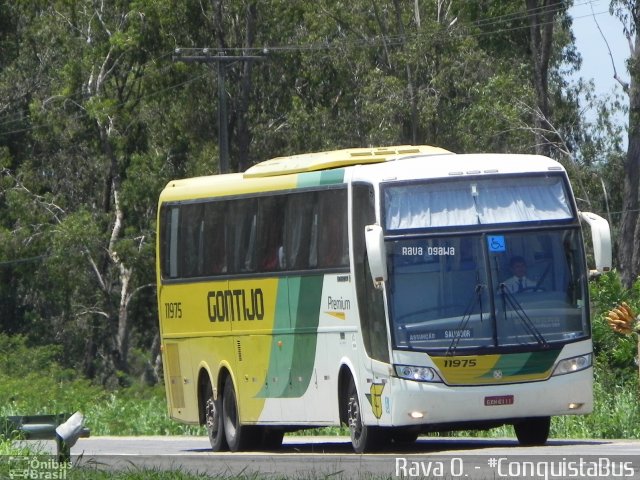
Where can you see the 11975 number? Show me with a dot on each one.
(173, 310)
(460, 363)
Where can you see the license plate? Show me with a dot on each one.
(498, 401)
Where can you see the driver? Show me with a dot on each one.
(519, 281)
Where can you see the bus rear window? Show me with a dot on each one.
(169, 224)
(476, 201)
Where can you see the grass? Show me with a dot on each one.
(136, 411)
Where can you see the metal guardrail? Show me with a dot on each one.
(41, 427)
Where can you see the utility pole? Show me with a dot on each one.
(203, 55)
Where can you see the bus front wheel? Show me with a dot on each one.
(533, 431)
(238, 436)
(363, 437)
(213, 418)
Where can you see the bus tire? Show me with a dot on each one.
(239, 437)
(533, 431)
(364, 438)
(213, 421)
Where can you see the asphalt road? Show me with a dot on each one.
(323, 457)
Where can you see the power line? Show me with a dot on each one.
(8, 263)
(222, 60)
(381, 40)
(83, 114)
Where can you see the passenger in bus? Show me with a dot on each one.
(274, 261)
(519, 281)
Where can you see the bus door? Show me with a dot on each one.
(371, 311)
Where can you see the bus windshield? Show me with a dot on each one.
(481, 201)
(487, 291)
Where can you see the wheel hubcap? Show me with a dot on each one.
(353, 414)
(212, 417)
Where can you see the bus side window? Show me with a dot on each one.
(191, 240)
(298, 222)
(242, 222)
(269, 233)
(332, 231)
(215, 246)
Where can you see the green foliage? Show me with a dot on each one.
(136, 411)
(26, 372)
(614, 353)
(8, 447)
(616, 411)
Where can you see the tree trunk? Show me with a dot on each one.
(541, 17)
(244, 136)
(411, 92)
(120, 329)
(121, 354)
(628, 247)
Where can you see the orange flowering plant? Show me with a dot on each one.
(623, 320)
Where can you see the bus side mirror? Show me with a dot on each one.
(601, 237)
(374, 239)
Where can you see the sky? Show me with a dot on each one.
(596, 62)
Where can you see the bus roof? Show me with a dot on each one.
(459, 165)
(322, 168)
(283, 173)
(311, 162)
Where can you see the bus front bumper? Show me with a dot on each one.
(419, 403)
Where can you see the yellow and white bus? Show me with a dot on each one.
(372, 288)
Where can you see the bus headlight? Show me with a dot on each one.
(419, 374)
(573, 364)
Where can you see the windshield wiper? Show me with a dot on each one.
(466, 316)
(507, 297)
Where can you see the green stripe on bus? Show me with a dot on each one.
(539, 362)
(529, 363)
(305, 316)
(293, 355)
(327, 177)
(509, 364)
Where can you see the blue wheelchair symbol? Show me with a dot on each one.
(496, 243)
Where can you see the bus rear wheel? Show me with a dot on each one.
(239, 437)
(533, 431)
(213, 419)
(364, 438)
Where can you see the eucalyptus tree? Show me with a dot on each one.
(628, 11)
(81, 188)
